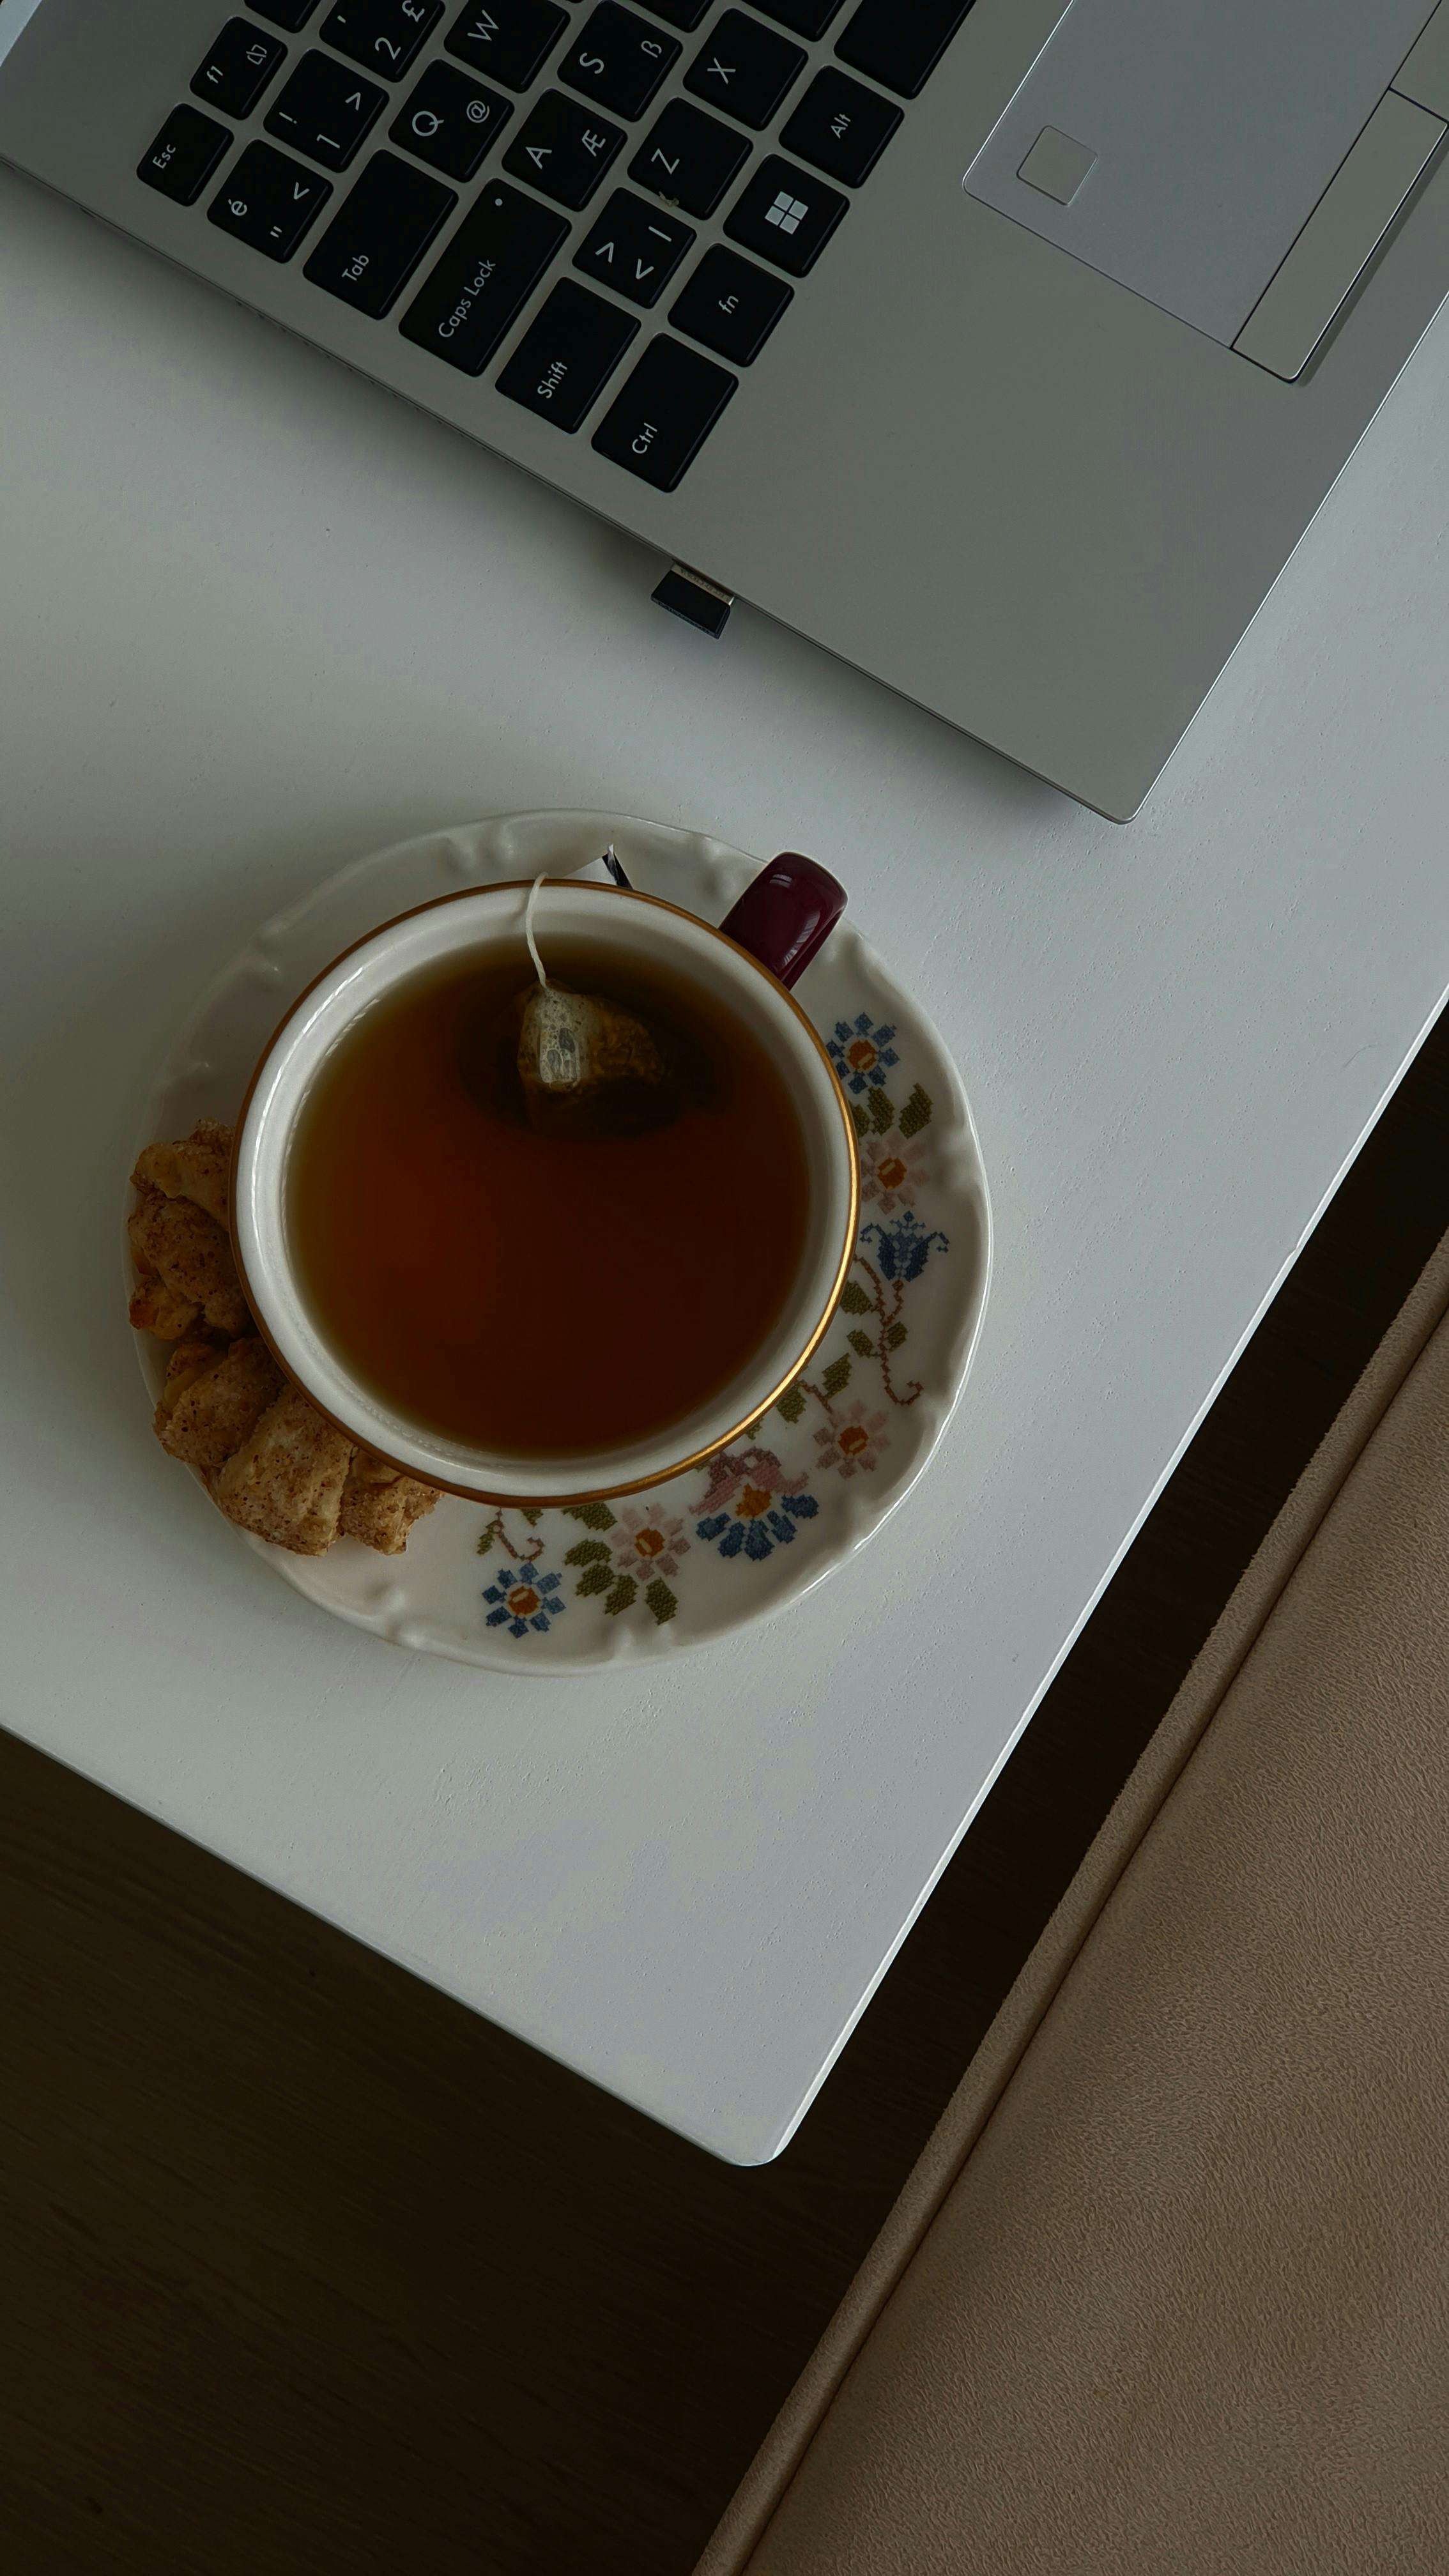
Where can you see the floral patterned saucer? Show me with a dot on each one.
(564, 1591)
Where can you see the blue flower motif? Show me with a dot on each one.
(758, 1535)
(861, 1053)
(523, 1599)
(903, 1249)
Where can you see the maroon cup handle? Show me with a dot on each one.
(786, 914)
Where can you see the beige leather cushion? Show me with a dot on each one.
(1169, 2290)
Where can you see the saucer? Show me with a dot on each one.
(551, 1590)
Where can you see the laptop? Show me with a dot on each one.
(1005, 350)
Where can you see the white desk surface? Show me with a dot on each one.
(255, 618)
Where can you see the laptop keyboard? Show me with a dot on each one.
(530, 107)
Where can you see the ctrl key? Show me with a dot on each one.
(184, 155)
(660, 421)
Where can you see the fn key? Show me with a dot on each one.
(668, 407)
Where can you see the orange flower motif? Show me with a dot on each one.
(752, 1506)
(852, 1442)
(648, 1542)
(861, 1051)
(525, 1604)
(889, 1170)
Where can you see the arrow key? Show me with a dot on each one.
(268, 201)
(634, 247)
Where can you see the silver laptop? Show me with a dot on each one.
(1004, 349)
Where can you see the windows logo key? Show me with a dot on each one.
(787, 211)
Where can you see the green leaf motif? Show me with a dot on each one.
(916, 1113)
(661, 1600)
(862, 1343)
(593, 1515)
(589, 1551)
(895, 1335)
(859, 1118)
(853, 1298)
(621, 1596)
(836, 1376)
(597, 1579)
(792, 1405)
(531, 1513)
(882, 1114)
(486, 1541)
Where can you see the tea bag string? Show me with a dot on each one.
(529, 909)
(610, 861)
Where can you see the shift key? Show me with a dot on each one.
(484, 278)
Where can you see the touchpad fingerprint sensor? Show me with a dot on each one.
(1056, 165)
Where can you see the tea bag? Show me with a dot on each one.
(588, 1067)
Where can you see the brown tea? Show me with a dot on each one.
(542, 1294)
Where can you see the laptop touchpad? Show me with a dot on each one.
(1179, 145)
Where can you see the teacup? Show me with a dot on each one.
(747, 966)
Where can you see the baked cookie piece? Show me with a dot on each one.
(285, 1483)
(187, 1273)
(273, 1463)
(196, 1167)
(213, 1400)
(379, 1506)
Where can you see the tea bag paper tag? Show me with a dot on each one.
(596, 872)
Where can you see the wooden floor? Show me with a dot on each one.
(305, 2268)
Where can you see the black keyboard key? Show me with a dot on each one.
(484, 278)
(268, 201)
(619, 60)
(563, 148)
(567, 355)
(375, 240)
(786, 215)
(634, 248)
(841, 128)
(808, 17)
(326, 110)
(665, 413)
(451, 121)
(383, 35)
(745, 68)
(680, 13)
(290, 14)
(900, 46)
(185, 153)
(731, 305)
(506, 40)
(238, 68)
(689, 160)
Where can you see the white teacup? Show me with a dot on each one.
(785, 915)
